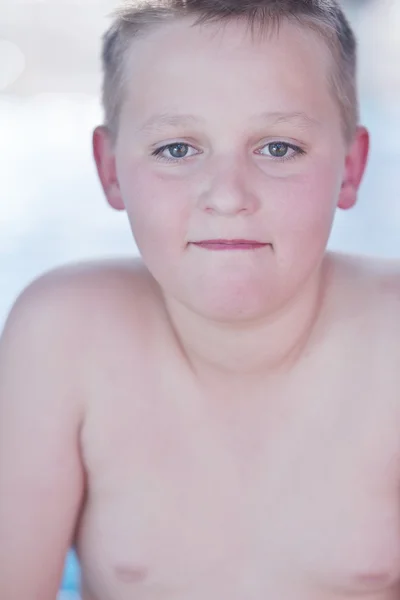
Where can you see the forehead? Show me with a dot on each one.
(223, 69)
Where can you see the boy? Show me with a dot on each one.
(221, 418)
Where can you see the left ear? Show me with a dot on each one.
(356, 162)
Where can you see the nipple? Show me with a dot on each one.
(131, 574)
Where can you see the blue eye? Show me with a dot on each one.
(281, 150)
(177, 151)
(278, 149)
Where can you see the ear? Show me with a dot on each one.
(104, 157)
(356, 162)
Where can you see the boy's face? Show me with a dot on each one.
(253, 150)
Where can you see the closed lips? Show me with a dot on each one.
(230, 244)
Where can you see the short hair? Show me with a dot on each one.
(133, 18)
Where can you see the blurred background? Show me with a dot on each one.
(52, 208)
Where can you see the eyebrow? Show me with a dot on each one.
(299, 118)
(159, 121)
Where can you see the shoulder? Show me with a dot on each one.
(360, 275)
(71, 323)
(363, 297)
(85, 288)
(72, 304)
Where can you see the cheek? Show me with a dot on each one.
(305, 208)
(158, 211)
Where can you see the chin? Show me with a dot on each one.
(232, 305)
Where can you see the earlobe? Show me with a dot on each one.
(348, 196)
(105, 162)
(356, 162)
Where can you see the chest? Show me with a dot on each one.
(180, 499)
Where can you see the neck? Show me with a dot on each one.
(268, 346)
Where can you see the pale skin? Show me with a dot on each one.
(204, 423)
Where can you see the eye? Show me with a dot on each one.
(282, 150)
(177, 151)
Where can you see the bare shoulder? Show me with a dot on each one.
(364, 299)
(357, 274)
(83, 293)
(74, 311)
(104, 279)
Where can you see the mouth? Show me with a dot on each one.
(230, 244)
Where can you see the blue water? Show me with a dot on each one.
(70, 581)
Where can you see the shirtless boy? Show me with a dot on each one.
(221, 418)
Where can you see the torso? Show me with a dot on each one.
(286, 491)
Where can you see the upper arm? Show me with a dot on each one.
(41, 475)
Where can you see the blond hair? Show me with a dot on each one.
(135, 17)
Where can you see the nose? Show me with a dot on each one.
(228, 191)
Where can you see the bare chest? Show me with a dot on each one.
(186, 504)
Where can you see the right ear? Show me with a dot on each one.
(104, 157)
